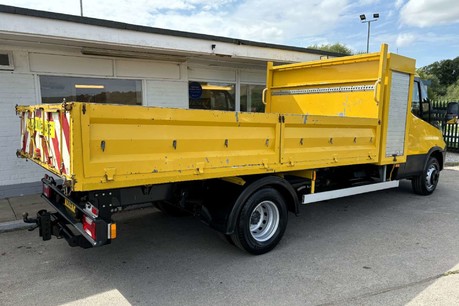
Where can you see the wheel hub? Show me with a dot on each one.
(255, 218)
(264, 221)
(432, 176)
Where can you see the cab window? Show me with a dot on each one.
(416, 102)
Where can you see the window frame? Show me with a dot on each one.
(142, 81)
(218, 83)
(248, 84)
(9, 67)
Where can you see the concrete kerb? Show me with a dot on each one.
(15, 225)
(13, 208)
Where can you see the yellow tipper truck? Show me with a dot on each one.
(331, 128)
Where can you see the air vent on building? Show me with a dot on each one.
(6, 61)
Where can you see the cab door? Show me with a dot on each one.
(420, 106)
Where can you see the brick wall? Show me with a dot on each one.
(14, 89)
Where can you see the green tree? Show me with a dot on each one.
(447, 71)
(336, 48)
(444, 76)
(435, 90)
(452, 93)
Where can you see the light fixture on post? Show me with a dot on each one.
(363, 19)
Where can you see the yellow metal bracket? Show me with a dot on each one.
(110, 174)
(234, 180)
(309, 174)
(200, 168)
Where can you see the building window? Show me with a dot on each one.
(218, 96)
(54, 89)
(6, 61)
(251, 100)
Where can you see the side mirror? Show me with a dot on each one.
(452, 112)
(425, 106)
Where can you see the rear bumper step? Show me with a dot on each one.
(64, 224)
(52, 224)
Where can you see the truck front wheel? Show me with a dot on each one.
(262, 222)
(426, 183)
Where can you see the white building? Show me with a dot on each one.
(46, 57)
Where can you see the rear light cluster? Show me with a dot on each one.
(89, 226)
(112, 231)
(47, 191)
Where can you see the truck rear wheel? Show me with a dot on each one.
(426, 183)
(262, 222)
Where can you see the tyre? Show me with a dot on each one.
(426, 183)
(171, 210)
(261, 222)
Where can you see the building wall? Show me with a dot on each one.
(15, 88)
(164, 84)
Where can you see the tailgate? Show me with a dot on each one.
(45, 137)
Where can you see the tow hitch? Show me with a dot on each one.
(43, 223)
(49, 224)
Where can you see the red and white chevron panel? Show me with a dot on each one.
(45, 136)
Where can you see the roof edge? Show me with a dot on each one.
(139, 28)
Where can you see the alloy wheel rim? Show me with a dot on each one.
(264, 221)
(431, 177)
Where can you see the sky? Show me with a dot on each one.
(427, 30)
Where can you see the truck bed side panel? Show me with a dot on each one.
(320, 114)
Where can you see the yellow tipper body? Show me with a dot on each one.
(319, 114)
